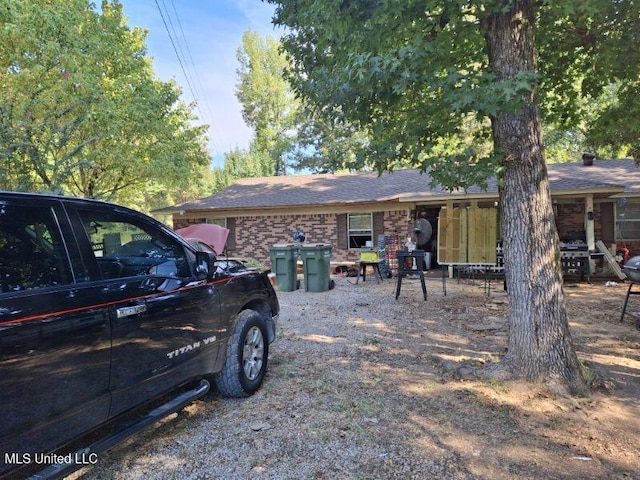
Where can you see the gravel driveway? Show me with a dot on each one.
(360, 386)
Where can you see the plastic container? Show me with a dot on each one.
(368, 255)
(316, 261)
(284, 258)
(427, 260)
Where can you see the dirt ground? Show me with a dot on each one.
(364, 386)
(518, 430)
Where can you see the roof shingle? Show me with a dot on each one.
(306, 190)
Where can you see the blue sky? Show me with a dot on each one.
(207, 35)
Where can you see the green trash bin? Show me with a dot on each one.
(284, 263)
(316, 260)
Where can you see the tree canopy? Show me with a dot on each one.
(590, 72)
(294, 135)
(268, 103)
(420, 76)
(82, 112)
(415, 73)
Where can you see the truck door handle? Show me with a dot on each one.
(130, 311)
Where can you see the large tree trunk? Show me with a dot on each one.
(540, 346)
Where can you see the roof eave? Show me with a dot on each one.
(447, 197)
(576, 192)
(336, 207)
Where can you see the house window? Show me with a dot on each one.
(221, 222)
(360, 229)
(628, 221)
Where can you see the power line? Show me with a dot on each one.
(179, 53)
(191, 61)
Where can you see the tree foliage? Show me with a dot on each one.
(420, 76)
(82, 112)
(294, 135)
(590, 73)
(410, 73)
(400, 72)
(238, 163)
(268, 103)
(326, 145)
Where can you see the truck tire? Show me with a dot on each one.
(246, 358)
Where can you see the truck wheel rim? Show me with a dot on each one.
(253, 353)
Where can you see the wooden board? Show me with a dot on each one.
(467, 235)
(482, 235)
(452, 229)
(611, 260)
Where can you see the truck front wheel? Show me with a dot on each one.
(246, 358)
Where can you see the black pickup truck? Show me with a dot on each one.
(104, 310)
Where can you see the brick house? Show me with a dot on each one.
(592, 201)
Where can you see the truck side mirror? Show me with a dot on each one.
(205, 264)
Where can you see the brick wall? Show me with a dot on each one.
(570, 221)
(396, 222)
(254, 235)
(179, 223)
